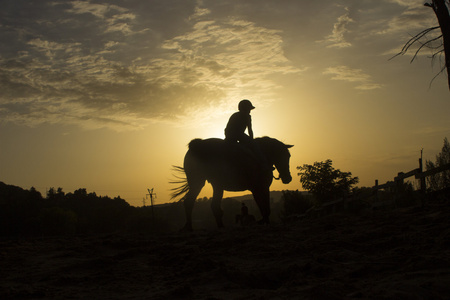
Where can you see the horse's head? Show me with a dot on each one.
(278, 154)
(282, 164)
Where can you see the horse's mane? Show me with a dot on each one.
(268, 139)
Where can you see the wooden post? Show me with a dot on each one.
(376, 189)
(423, 184)
(399, 181)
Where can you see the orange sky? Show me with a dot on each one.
(106, 95)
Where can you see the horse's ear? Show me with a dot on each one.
(289, 146)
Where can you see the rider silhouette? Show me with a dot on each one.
(239, 122)
(235, 131)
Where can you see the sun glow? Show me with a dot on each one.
(213, 128)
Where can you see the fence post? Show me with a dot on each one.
(423, 184)
(376, 189)
(399, 181)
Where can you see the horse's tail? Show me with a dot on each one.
(180, 180)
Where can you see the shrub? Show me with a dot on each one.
(295, 203)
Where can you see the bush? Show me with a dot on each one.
(295, 203)
(325, 182)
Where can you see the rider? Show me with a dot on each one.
(235, 130)
(239, 122)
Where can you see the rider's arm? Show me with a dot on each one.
(250, 130)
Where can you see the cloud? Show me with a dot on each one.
(415, 17)
(408, 3)
(105, 65)
(232, 53)
(223, 60)
(97, 10)
(199, 12)
(115, 17)
(336, 38)
(345, 73)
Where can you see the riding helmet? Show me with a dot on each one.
(245, 105)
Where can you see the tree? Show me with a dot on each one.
(324, 181)
(440, 180)
(440, 8)
(55, 195)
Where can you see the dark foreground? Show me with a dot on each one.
(401, 254)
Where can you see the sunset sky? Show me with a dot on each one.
(106, 95)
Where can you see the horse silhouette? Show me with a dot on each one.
(231, 167)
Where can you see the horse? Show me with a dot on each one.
(229, 166)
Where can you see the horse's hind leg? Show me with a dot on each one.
(216, 206)
(189, 202)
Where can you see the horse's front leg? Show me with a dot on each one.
(262, 199)
(216, 205)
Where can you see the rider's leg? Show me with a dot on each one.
(254, 147)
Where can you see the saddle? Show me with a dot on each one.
(240, 149)
(249, 152)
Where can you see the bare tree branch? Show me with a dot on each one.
(436, 54)
(425, 45)
(439, 73)
(413, 40)
(441, 10)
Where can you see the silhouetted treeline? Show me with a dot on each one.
(28, 213)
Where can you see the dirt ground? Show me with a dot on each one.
(397, 254)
